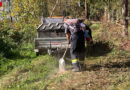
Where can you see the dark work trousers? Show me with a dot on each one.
(77, 49)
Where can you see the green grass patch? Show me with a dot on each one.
(31, 75)
(129, 29)
(23, 55)
(95, 26)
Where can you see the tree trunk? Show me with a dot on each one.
(86, 16)
(125, 21)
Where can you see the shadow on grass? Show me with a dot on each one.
(23, 54)
(110, 65)
(99, 48)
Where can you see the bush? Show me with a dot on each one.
(14, 47)
(95, 26)
(12, 38)
(88, 23)
(29, 33)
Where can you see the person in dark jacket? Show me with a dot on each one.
(75, 36)
(87, 32)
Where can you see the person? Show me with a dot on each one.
(75, 37)
(88, 35)
(87, 32)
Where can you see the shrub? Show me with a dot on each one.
(29, 32)
(14, 45)
(95, 26)
(11, 38)
(88, 22)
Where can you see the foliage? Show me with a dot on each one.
(95, 26)
(28, 10)
(13, 40)
(88, 22)
(6, 40)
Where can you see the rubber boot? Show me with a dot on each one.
(75, 67)
(82, 67)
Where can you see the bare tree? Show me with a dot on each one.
(54, 8)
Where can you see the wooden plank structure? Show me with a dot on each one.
(50, 35)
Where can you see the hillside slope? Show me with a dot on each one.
(107, 62)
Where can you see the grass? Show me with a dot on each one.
(95, 26)
(107, 65)
(108, 68)
(30, 76)
(22, 56)
(108, 72)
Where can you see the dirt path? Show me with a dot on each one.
(100, 79)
